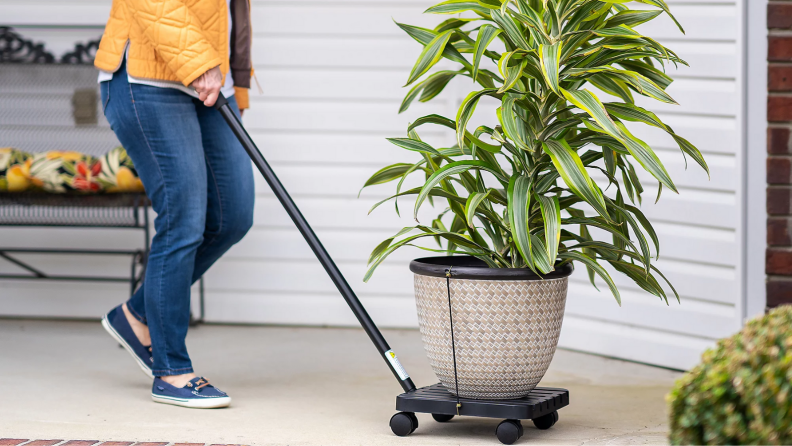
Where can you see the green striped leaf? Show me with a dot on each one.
(646, 87)
(511, 29)
(412, 95)
(387, 251)
(555, 24)
(641, 83)
(503, 62)
(549, 61)
(640, 277)
(474, 141)
(691, 150)
(594, 266)
(473, 202)
(551, 214)
(586, 101)
(415, 146)
(513, 125)
(629, 112)
(424, 37)
(435, 192)
(600, 223)
(647, 226)
(452, 23)
(435, 84)
(534, 24)
(446, 171)
(539, 255)
(457, 6)
(634, 113)
(657, 76)
(587, 12)
(618, 31)
(431, 54)
(387, 174)
(662, 5)
(612, 86)
(458, 239)
(486, 35)
(631, 18)
(646, 157)
(386, 243)
(513, 75)
(519, 200)
(466, 111)
(570, 167)
(421, 35)
(623, 216)
(432, 119)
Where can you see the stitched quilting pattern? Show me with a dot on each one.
(175, 40)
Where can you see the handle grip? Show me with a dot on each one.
(220, 102)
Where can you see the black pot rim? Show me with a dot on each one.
(468, 267)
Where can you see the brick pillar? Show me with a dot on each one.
(778, 261)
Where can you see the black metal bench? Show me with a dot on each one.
(124, 210)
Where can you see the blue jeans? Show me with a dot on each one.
(200, 183)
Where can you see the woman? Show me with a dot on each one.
(163, 64)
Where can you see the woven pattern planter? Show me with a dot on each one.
(505, 332)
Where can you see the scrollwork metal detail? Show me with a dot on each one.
(82, 54)
(15, 49)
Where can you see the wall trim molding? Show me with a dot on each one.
(754, 215)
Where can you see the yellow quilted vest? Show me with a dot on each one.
(170, 40)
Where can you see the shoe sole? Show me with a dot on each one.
(208, 403)
(111, 331)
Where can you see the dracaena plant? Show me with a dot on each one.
(520, 194)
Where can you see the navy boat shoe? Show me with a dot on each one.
(117, 325)
(197, 394)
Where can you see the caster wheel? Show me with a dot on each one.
(403, 423)
(442, 418)
(414, 421)
(509, 431)
(546, 421)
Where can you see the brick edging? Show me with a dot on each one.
(778, 254)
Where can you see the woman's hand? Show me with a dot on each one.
(208, 86)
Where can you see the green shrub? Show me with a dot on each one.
(741, 393)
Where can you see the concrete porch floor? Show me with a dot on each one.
(295, 386)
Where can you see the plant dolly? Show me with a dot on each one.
(541, 405)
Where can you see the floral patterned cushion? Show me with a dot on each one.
(65, 172)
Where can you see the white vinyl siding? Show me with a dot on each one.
(331, 74)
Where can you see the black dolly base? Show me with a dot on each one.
(541, 406)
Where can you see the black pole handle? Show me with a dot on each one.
(313, 241)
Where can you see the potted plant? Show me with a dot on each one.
(554, 182)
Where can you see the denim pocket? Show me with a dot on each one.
(104, 91)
